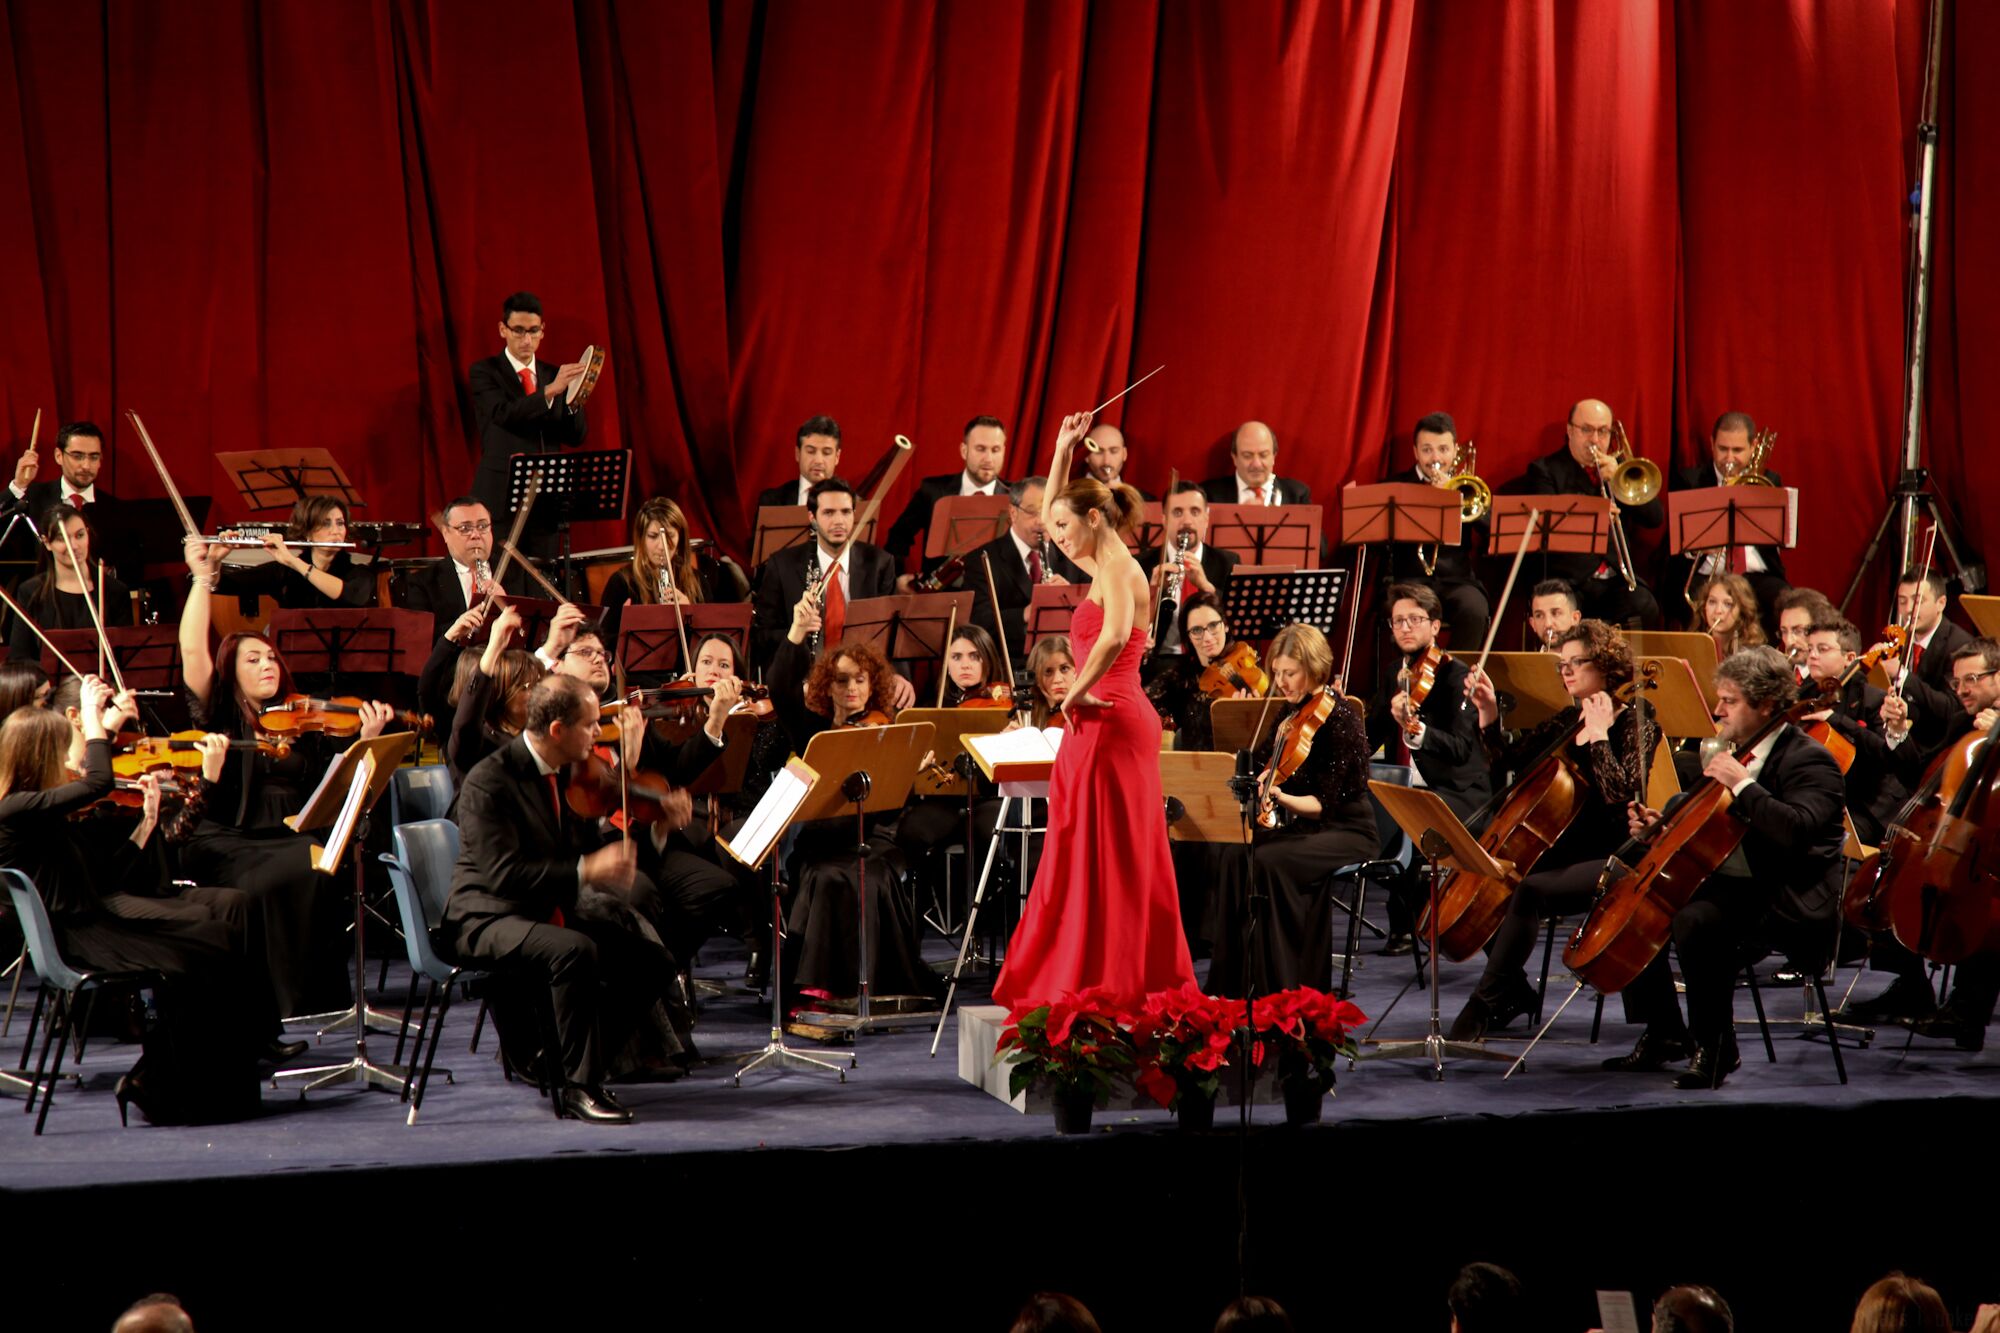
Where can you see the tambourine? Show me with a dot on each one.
(593, 366)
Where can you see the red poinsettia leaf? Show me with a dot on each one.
(1155, 1083)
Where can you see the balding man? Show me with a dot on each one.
(1573, 470)
(1107, 462)
(1253, 455)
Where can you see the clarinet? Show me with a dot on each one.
(814, 577)
(482, 579)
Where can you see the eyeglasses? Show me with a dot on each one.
(535, 332)
(1961, 682)
(1571, 665)
(472, 529)
(1212, 627)
(1594, 432)
(1408, 622)
(588, 654)
(82, 457)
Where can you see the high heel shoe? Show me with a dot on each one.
(127, 1090)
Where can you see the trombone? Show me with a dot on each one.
(1750, 474)
(1633, 481)
(1475, 497)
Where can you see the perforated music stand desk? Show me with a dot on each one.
(962, 523)
(1259, 604)
(280, 478)
(1692, 647)
(907, 626)
(1984, 612)
(577, 486)
(1234, 724)
(1268, 534)
(1571, 524)
(649, 636)
(1533, 681)
(149, 656)
(1050, 609)
(1718, 516)
(1400, 512)
(952, 726)
(1199, 780)
(382, 640)
(780, 526)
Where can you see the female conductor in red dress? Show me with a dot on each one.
(1103, 911)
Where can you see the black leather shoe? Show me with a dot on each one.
(1651, 1054)
(1950, 1026)
(757, 974)
(1472, 1021)
(1400, 945)
(1518, 999)
(1905, 998)
(593, 1106)
(1710, 1066)
(278, 1050)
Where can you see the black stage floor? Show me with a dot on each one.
(907, 1198)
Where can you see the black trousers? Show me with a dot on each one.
(695, 899)
(1289, 905)
(1556, 891)
(1714, 937)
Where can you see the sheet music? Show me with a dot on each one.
(1616, 1312)
(1023, 745)
(327, 860)
(767, 822)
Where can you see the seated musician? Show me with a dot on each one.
(1184, 687)
(1727, 612)
(1963, 1018)
(1874, 790)
(1253, 478)
(1454, 573)
(241, 839)
(1583, 467)
(449, 586)
(54, 596)
(1729, 458)
(1552, 612)
(1599, 735)
(1105, 459)
(525, 861)
(1203, 568)
(23, 684)
(1798, 610)
(931, 825)
(817, 449)
(1323, 821)
(863, 571)
(983, 448)
(1923, 680)
(663, 567)
(1051, 667)
(1018, 558)
(488, 701)
(1777, 885)
(322, 577)
(1437, 739)
(848, 685)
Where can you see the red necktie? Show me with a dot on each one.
(528, 381)
(1916, 656)
(1034, 565)
(555, 794)
(834, 618)
(1739, 560)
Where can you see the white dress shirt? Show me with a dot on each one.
(1246, 494)
(967, 486)
(1753, 563)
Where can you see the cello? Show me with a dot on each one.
(1934, 877)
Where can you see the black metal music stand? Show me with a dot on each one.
(579, 487)
(1268, 534)
(907, 627)
(1050, 608)
(326, 643)
(649, 637)
(280, 478)
(149, 656)
(1259, 603)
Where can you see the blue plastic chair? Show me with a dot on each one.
(58, 978)
(420, 793)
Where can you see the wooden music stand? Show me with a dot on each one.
(1233, 724)
(953, 725)
(908, 626)
(1050, 607)
(779, 526)
(962, 523)
(1400, 512)
(1268, 534)
(649, 636)
(280, 478)
(1680, 705)
(1199, 780)
(1721, 516)
(380, 640)
(1260, 603)
(149, 656)
(1691, 646)
(1534, 681)
(1983, 612)
(1571, 524)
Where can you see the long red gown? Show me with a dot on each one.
(1104, 910)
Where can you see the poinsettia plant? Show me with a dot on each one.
(1184, 1042)
(1305, 1031)
(1073, 1044)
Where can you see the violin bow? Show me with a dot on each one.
(542, 580)
(90, 603)
(1493, 625)
(944, 672)
(1910, 624)
(513, 536)
(1006, 654)
(166, 479)
(27, 620)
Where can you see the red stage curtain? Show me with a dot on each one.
(288, 224)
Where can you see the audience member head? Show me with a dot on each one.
(467, 526)
(1053, 1312)
(818, 449)
(1253, 1314)
(1900, 1304)
(984, 449)
(158, 1313)
(1107, 464)
(1485, 1298)
(1693, 1309)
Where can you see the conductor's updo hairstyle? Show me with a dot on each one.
(1121, 504)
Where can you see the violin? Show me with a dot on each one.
(163, 754)
(1294, 743)
(126, 794)
(1418, 682)
(1234, 675)
(597, 792)
(989, 696)
(874, 717)
(686, 702)
(300, 713)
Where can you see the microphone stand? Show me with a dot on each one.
(1244, 787)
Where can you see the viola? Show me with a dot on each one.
(1234, 675)
(1422, 679)
(300, 713)
(1933, 879)
(597, 791)
(1293, 745)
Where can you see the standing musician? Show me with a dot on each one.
(525, 863)
(1021, 561)
(1188, 565)
(1601, 738)
(1923, 683)
(1425, 727)
(818, 451)
(1728, 614)
(663, 567)
(79, 454)
(450, 586)
(1254, 479)
(1552, 612)
(520, 406)
(1730, 458)
(322, 577)
(1779, 880)
(1105, 462)
(1455, 572)
(862, 571)
(241, 839)
(1584, 466)
(54, 596)
(984, 450)
(1321, 820)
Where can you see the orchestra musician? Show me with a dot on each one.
(1923, 681)
(241, 839)
(1253, 480)
(1106, 463)
(1874, 791)
(931, 825)
(1323, 821)
(1020, 562)
(1455, 580)
(322, 577)
(1729, 458)
(1203, 568)
(488, 701)
(1779, 881)
(1601, 736)
(1051, 667)
(1576, 470)
(1552, 612)
(79, 455)
(1728, 614)
(520, 406)
(1178, 685)
(447, 587)
(54, 596)
(663, 567)
(23, 684)
(818, 452)
(983, 448)
(526, 862)
(1798, 610)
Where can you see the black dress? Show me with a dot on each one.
(70, 610)
(1292, 942)
(294, 591)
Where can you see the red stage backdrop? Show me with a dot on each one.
(261, 224)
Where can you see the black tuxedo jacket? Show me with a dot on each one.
(1010, 580)
(1560, 474)
(46, 493)
(1875, 793)
(1455, 564)
(781, 581)
(1452, 760)
(509, 420)
(1933, 703)
(1795, 836)
(786, 494)
(1222, 490)
(517, 857)
(916, 516)
(434, 588)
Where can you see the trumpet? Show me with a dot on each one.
(1475, 497)
(1734, 474)
(1633, 481)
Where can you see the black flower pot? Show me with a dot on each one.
(1195, 1110)
(1073, 1108)
(1304, 1097)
